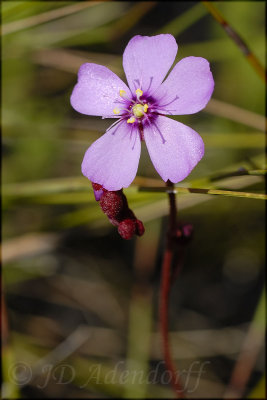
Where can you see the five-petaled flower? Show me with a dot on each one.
(174, 148)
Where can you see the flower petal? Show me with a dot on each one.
(97, 90)
(112, 160)
(174, 148)
(191, 80)
(147, 60)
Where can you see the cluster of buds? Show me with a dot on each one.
(115, 205)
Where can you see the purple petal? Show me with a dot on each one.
(98, 194)
(192, 82)
(112, 160)
(174, 148)
(97, 90)
(147, 60)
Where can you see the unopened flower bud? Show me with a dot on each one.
(115, 205)
(127, 228)
(139, 227)
(184, 233)
(111, 204)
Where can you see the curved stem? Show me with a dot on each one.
(165, 291)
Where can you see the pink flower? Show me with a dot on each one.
(174, 148)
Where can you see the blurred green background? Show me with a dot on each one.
(75, 293)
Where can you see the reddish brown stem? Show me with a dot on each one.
(165, 292)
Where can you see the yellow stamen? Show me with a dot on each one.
(116, 111)
(145, 108)
(122, 93)
(139, 93)
(131, 120)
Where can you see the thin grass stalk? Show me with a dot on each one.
(47, 16)
(250, 56)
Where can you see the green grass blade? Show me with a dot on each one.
(184, 21)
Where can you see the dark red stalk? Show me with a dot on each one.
(165, 292)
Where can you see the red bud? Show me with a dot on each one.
(111, 204)
(127, 228)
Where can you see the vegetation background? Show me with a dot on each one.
(74, 293)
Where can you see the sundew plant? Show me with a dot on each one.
(133, 199)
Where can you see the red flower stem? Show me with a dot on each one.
(165, 292)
